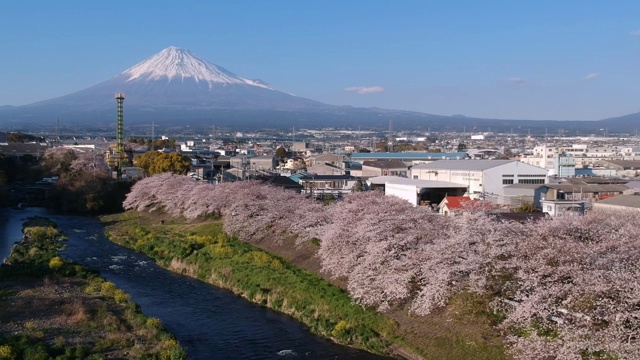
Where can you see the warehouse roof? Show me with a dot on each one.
(466, 164)
(409, 156)
(632, 201)
(381, 180)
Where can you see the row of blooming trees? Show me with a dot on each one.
(568, 287)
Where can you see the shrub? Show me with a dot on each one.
(341, 330)
(108, 288)
(6, 353)
(56, 263)
(154, 323)
(120, 296)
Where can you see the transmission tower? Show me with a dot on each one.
(120, 129)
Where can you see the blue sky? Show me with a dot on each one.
(557, 60)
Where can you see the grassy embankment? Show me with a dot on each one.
(464, 330)
(54, 309)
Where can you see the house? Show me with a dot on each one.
(325, 169)
(319, 186)
(565, 207)
(483, 178)
(266, 162)
(416, 192)
(384, 168)
(132, 173)
(281, 181)
(454, 205)
(355, 168)
(580, 192)
(327, 158)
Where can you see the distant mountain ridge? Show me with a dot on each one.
(177, 87)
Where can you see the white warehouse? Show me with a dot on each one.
(482, 177)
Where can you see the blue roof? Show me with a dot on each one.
(296, 177)
(409, 156)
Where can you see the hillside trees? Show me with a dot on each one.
(566, 287)
(18, 137)
(84, 184)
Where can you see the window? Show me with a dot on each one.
(415, 177)
(507, 181)
(530, 181)
(507, 175)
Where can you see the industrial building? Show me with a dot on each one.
(483, 178)
(416, 192)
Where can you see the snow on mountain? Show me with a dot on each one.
(175, 63)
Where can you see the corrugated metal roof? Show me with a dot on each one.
(433, 184)
(465, 164)
(409, 156)
(632, 201)
(588, 188)
(524, 186)
(385, 164)
(626, 164)
(327, 177)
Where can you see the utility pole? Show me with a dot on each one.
(390, 142)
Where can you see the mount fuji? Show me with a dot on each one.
(176, 79)
(176, 88)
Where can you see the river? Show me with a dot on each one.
(209, 322)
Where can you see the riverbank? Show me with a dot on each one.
(287, 280)
(57, 309)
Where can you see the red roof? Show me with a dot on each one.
(460, 202)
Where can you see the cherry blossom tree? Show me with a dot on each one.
(568, 287)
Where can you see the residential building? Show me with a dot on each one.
(325, 169)
(319, 186)
(266, 162)
(455, 205)
(325, 158)
(554, 159)
(564, 207)
(581, 192)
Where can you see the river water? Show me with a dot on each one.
(209, 322)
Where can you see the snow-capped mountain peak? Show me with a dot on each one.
(175, 63)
